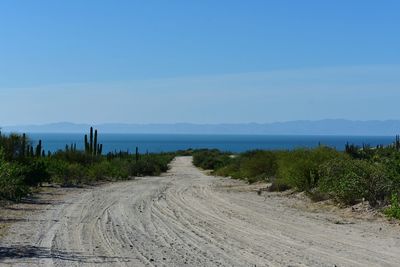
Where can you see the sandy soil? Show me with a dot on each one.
(186, 218)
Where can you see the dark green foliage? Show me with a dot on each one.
(299, 168)
(151, 164)
(397, 143)
(92, 147)
(258, 165)
(35, 172)
(23, 146)
(91, 141)
(352, 150)
(14, 146)
(71, 156)
(95, 143)
(356, 174)
(23, 167)
(12, 186)
(350, 180)
(253, 166)
(210, 159)
(86, 144)
(67, 174)
(394, 210)
(38, 150)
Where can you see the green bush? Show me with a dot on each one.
(233, 169)
(13, 146)
(66, 174)
(350, 180)
(12, 186)
(299, 168)
(258, 165)
(35, 172)
(79, 157)
(394, 210)
(115, 169)
(210, 159)
(21, 168)
(253, 166)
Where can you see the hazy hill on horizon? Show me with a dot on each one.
(320, 127)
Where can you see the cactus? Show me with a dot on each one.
(23, 146)
(31, 154)
(95, 143)
(91, 141)
(86, 144)
(92, 147)
(397, 143)
(39, 149)
(100, 149)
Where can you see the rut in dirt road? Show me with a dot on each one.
(186, 218)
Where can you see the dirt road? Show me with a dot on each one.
(185, 218)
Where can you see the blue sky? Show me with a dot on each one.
(198, 61)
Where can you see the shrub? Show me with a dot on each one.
(67, 174)
(349, 180)
(233, 169)
(13, 146)
(115, 168)
(299, 168)
(100, 171)
(12, 186)
(35, 172)
(210, 159)
(253, 166)
(394, 210)
(143, 168)
(258, 165)
(79, 157)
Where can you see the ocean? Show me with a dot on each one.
(233, 143)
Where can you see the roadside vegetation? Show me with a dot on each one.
(24, 167)
(348, 177)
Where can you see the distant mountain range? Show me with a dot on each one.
(321, 127)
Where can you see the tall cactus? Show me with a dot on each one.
(100, 149)
(91, 141)
(39, 149)
(92, 147)
(86, 144)
(23, 146)
(95, 143)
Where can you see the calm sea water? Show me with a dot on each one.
(233, 143)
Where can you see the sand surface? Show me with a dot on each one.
(186, 218)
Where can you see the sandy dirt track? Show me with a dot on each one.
(186, 218)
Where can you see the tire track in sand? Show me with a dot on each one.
(185, 218)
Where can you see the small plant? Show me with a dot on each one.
(394, 210)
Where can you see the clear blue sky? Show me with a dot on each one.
(198, 61)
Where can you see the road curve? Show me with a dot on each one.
(186, 218)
